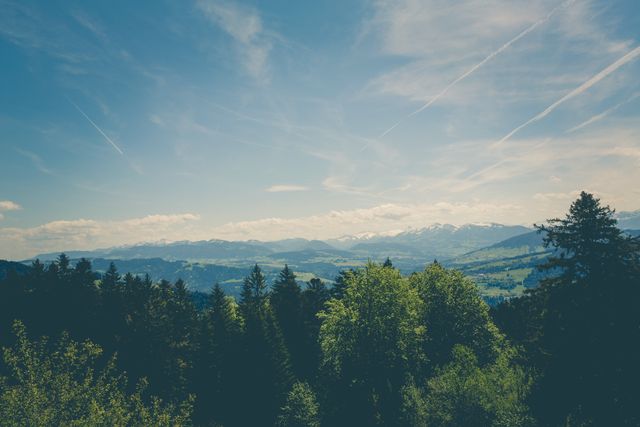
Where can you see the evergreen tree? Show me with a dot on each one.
(266, 371)
(254, 291)
(581, 326)
(218, 392)
(314, 298)
(586, 242)
(339, 287)
(286, 301)
(112, 316)
(111, 279)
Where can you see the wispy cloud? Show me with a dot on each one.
(83, 234)
(376, 219)
(244, 25)
(286, 188)
(606, 159)
(604, 114)
(8, 205)
(36, 160)
(552, 197)
(480, 64)
(107, 139)
(88, 23)
(630, 56)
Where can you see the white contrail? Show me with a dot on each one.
(481, 63)
(604, 114)
(577, 91)
(113, 144)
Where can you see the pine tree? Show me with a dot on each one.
(111, 279)
(217, 387)
(339, 287)
(313, 301)
(254, 291)
(266, 371)
(112, 317)
(581, 326)
(286, 301)
(587, 241)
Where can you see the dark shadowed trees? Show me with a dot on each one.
(580, 327)
(286, 302)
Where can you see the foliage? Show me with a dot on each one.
(216, 385)
(465, 394)
(314, 298)
(370, 340)
(286, 301)
(377, 347)
(581, 327)
(454, 313)
(413, 410)
(65, 386)
(254, 291)
(301, 408)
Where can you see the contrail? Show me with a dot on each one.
(577, 91)
(481, 63)
(113, 144)
(603, 114)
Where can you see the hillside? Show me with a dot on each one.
(7, 266)
(500, 259)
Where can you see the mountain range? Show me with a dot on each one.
(436, 241)
(500, 258)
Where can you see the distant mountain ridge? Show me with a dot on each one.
(502, 269)
(628, 220)
(436, 241)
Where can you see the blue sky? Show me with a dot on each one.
(123, 122)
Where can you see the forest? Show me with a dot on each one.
(374, 348)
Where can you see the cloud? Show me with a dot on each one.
(606, 160)
(36, 160)
(486, 59)
(433, 42)
(8, 205)
(244, 25)
(604, 114)
(107, 139)
(156, 120)
(84, 234)
(286, 188)
(630, 56)
(88, 23)
(381, 218)
(27, 28)
(550, 197)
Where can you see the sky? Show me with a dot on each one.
(125, 122)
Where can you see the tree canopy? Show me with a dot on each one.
(375, 347)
